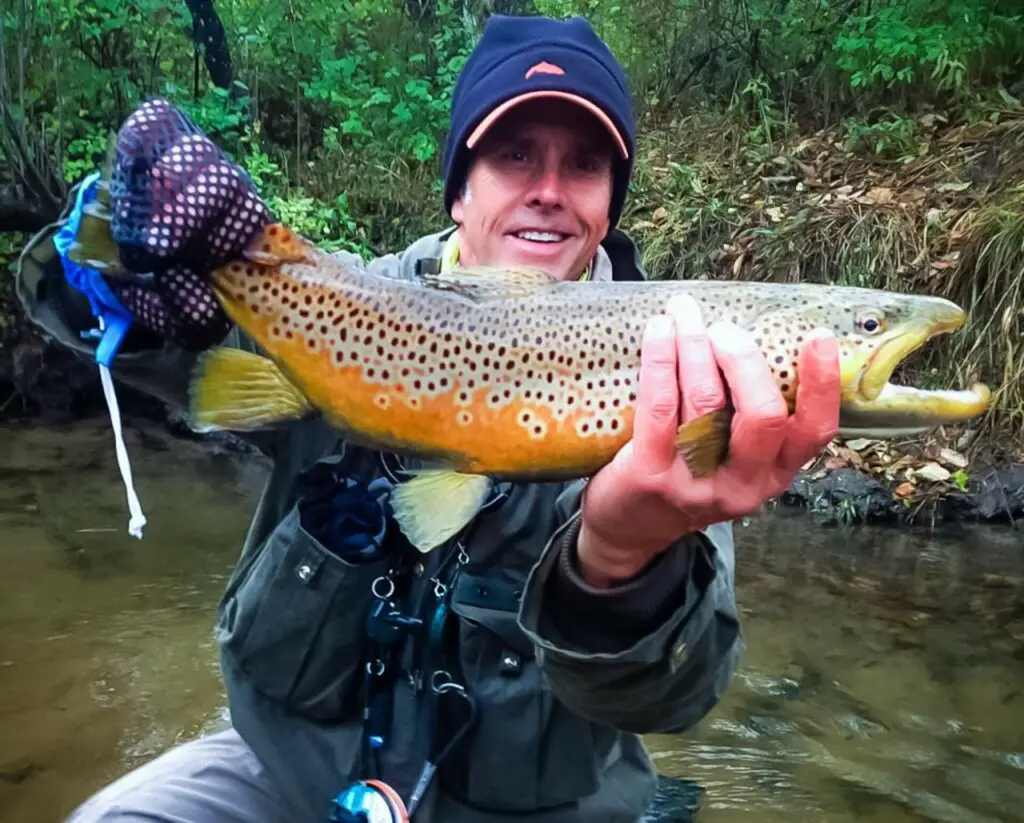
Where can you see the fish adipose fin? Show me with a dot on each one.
(704, 441)
(240, 391)
(436, 504)
(490, 282)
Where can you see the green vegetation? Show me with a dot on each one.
(872, 142)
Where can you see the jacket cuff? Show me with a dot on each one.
(608, 620)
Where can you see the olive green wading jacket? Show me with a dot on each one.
(565, 677)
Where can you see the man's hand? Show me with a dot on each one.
(646, 498)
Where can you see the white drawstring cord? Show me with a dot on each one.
(137, 519)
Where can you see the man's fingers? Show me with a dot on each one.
(699, 379)
(761, 411)
(657, 405)
(818, 397)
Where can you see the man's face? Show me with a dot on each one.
(538, 191)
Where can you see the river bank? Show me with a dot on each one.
(919, 481)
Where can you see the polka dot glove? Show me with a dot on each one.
(180, 208)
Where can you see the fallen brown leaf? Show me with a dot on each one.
(933, 472)
(952, 458)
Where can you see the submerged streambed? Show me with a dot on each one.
(883, 680)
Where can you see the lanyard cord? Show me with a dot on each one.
(441, 684)
(428, 624)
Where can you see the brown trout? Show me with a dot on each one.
(508, 374)
(499, 373)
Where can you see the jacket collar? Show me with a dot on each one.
(617, 256)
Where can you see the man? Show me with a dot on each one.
(570, 617)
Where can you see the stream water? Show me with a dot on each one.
(883, 680)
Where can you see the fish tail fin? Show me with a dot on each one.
(94, 245)
(275, 245)
(237, 390)
(436, 504)
(704, 441)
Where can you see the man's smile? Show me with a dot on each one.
(540, 242)
(539, 236)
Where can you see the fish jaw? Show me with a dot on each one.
(939, 316)
(872, 406)
(899, 411)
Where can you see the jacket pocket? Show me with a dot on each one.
(527, 750)
(294, 624)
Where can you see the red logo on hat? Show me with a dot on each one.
(543, 68)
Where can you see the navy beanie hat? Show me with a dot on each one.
(518, 58)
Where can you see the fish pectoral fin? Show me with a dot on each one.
(490, 282)
(436, 504)
(275, 245)
(241, 391)
(704, 441)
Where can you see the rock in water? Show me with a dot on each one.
(676, 800)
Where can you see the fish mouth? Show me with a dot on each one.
(878, 408)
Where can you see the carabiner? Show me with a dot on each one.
(369, 801)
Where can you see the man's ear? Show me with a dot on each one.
(458, 203)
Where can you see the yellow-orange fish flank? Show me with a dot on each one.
(506, 373)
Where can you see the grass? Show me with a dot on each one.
(929, 207)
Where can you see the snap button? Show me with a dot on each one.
(679, 653)
(305, 572)
(510, 664)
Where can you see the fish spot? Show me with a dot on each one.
(382, 401)
(464, 417)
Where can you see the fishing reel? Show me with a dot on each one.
(369, 801)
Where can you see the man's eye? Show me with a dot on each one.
(588, 163)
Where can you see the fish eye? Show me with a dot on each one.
(871, 322)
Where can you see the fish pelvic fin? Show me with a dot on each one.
(275, 245)
(241, 391)
(490, 282)
(704, 441)
(436, 504)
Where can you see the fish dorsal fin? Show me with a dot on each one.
(275, 245)
(490, 282)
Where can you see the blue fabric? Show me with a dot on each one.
(496, 71)
(349, 519)
(105, 306)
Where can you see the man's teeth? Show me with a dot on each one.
(540, 236)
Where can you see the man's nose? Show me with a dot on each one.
(548, 187)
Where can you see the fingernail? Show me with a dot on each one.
(823, 341)
(686, 312)
(659, 326)
(729, 337)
